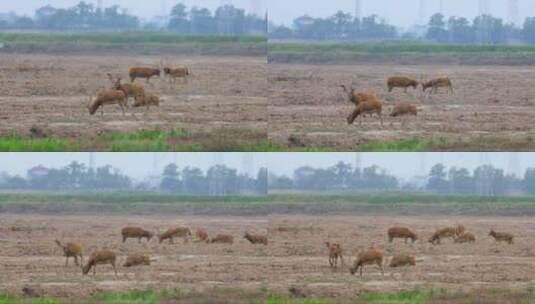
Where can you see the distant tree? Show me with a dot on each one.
(529, 181)
(461, 181)
(170, 179)
(343, 172)
(437, 28)
(437, 181)
(489, 30)
(489, 180)
(194, 181)
(261, 182)
(460, 31)
(202, 21)
(529, 30)
(280, 182)
(179, 19)
(281, 32)
(230, 20)
(24, 23)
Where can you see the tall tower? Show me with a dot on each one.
(92, 160)
(155, 163)
(224, 25)
(256, 7)
(248, 164)
(358, 160)
(513, 165)
(423, 164)
(422, 12)
(216, 181)
(512, 11)
(358, 9)
(484, 7)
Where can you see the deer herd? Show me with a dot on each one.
(370, 256)
(119, 93)
(366, 103)
(108, 257)
(374, 256)
(369, 103)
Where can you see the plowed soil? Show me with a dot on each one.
(295, 257)
(52, 93)
(492, 108)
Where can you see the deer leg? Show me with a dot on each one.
(66, 261)
(76, 260)
(114, 268)
(381, 118)
(353, 116)
(381, 267)
(95, 269)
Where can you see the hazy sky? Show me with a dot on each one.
(140, 165)
(399, 12)
(143, 8)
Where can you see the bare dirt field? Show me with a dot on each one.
(51, 92)
(492, 108)
(295, 257)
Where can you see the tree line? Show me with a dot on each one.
(341, 176)
(225, 20)
(218, 180)
(484, 29)
(485, 180)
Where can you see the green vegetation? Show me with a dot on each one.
(20, 144)
(239, 296)
(226, 140)
(294, 198)
(408, 145)
(400, 51)
(114, 38)
(403, 297)
(286, 300)
(397, 47)
(133, 42)
(5, 299)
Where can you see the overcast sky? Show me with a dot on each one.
(140, 165)
(137, 165)
(399, 12)
(143, 8)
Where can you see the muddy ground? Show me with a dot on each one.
(52, 92)
(493, 107)
(295, 257)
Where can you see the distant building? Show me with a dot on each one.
(304, 21)
(38, 171)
